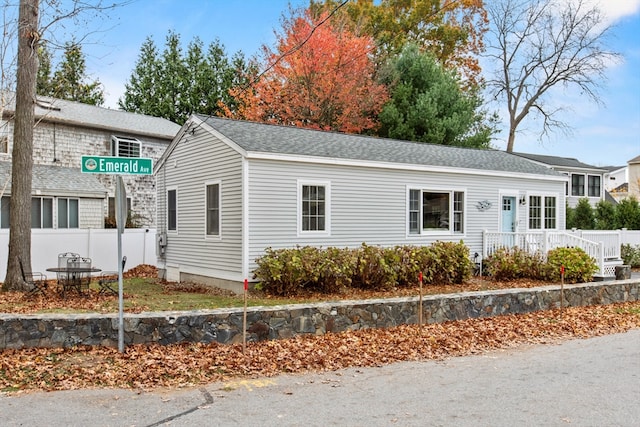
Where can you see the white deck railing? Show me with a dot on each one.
(610, 240)
(603, 246)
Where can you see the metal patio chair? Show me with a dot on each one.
(109, 278)
(37, 281)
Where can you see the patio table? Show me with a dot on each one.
(74, 276)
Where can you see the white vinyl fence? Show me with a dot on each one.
(101, 245)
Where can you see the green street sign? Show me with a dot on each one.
(117, 165)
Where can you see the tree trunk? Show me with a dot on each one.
(512, 139)
(22, 161)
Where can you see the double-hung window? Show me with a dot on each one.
(435, 211)
(314, 205)
(172, 210)
(68, 213)
(577, 184)
(594, 185)
(41, 212)
(213, 209)
(543, 212)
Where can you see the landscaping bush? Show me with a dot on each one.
(375, 268)
(578, 266)
(450, 264)
(336, 270)
(630, 255)
(514, 263)
(287, 272)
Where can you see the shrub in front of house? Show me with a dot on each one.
(630, 255)
(291, 271)
(513, 263)
(579, 267)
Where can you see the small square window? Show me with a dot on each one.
(125, 147)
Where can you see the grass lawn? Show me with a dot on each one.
(151, 294)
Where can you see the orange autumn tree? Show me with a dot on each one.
(320, 76)
(451, 31)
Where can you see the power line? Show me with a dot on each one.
(293, 49)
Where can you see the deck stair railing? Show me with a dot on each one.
(603, 246)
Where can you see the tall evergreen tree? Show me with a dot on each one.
(173, 84)
(140, 92)
(428, 104)
(70, 80)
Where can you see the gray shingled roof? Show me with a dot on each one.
(57, 180)
(265, 138)
(76, 113)
(568, 162)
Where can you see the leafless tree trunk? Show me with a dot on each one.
(538, 45)
(22, 161)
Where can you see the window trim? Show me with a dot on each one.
(543, 208)
(327, 207)
(451, 192)
(175, 229)
(206, 210)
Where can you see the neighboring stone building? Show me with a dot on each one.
(64, 132)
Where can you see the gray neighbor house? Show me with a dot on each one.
(63, 197)
(227, 190)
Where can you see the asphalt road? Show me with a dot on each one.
(592, 382)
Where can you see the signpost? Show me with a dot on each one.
(119, 166)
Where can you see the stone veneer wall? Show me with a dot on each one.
(225, 325)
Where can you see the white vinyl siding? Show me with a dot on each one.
(372, 205)
(203, 159)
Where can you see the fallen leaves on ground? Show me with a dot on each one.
(185, 365)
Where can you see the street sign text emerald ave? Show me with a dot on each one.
(117, 165)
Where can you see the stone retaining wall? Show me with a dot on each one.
(225, 325)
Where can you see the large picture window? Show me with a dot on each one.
(314, 207)
(435, 211)
(172, 210)
(213, 209)
(68, 213)
(542, 212)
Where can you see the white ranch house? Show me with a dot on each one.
(229, 189)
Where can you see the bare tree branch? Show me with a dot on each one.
(542, 44)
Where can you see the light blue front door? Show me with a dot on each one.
(508, 219)
(508, 214)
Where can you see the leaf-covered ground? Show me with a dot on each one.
(155, 366)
